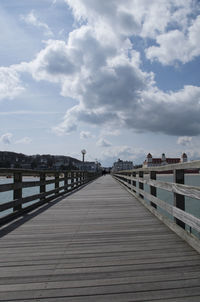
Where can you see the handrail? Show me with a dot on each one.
(134, 181)
(72, 180)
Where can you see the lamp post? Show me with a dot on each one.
(83, 153)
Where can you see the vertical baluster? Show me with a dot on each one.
(134, 182)
(153, 190)
(72, 180)
(66, 181)
(42, 186)
(17, 193)
(57, 184)
(85, 177)
(179, 200)
(141, 185)
(79, 179)
(82, 178)
(131, 181)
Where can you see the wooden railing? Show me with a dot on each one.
(134, 181)
(63, 182)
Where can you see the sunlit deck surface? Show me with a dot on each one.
(98, 244)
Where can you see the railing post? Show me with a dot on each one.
(81, 178)
(72, 180)
(153, 190)
(57, 183)
(76, 179)
(179, 200)
(66, 181)
(141, 185)
(86, 177)
(17, 193)
(42, 186)
(129, 180)
(74, 173)
(133, 181)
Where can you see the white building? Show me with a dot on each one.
(121, 165)
(151, 161)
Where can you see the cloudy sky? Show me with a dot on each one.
(119, 78)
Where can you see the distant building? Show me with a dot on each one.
(122, 165)
(154, 162)
(88, 166)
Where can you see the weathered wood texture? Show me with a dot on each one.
(98, 244)
(180, 191)
(190, 191)
(75, 178)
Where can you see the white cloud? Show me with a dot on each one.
(110, 132)
(165, 22)
(184, 140)
(24, 140)
(53, 63)
(86, 135)
(102, 142)
(33, 20)
(6, 138)
(10, 85)
(176, 45)
(124, 152)
(99, 67)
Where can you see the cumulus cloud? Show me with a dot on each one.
(33, 20)
(10, 84)
(176, 45)
(99, 67)
(184, 140)
(86, 135)
(102, 142)
(124, 152)
(6, 138)
(165, 22)
(110, 132)
(120, 92)
(53, 63)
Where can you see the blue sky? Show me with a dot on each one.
(119, 78)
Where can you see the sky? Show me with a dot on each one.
(119, 78)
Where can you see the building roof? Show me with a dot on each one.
(184, 155)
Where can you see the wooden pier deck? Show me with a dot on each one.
(98, 244)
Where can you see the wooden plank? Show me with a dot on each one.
(98, 244)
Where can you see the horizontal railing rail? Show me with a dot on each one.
(134, 180)
(61, 182)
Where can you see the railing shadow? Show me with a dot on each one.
(6, 229)
(23, 218)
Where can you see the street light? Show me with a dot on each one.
(83, 153)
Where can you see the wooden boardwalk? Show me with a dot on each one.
(98, 244)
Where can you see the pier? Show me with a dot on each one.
(103, 243)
